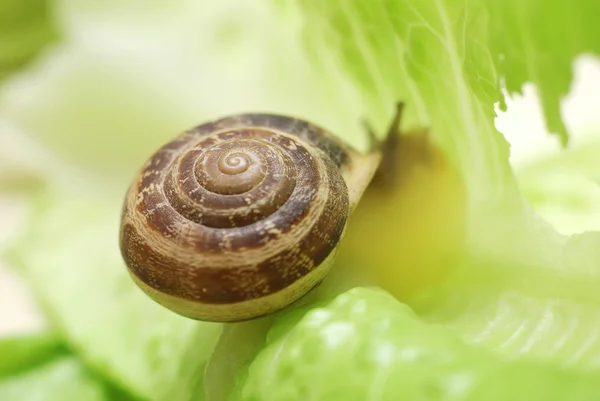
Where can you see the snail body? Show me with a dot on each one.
(240, 217)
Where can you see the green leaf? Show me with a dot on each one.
(22, 352)
(447, 60)
(364, 345)
(131, 76)
(63, 379)
(526, 312)
(521, 285)
(25, 29)
(564, 186)
(38, 367)
(435, 56)
(529, 36)
(72, 261)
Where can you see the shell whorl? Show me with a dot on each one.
(233, 212)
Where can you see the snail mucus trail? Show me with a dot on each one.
(240, 217)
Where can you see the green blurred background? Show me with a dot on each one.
(89, 89)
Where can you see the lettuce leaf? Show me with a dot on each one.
(525, 47)
(364, 345)
(63, 379)
(521, 284)
(38, 367)
(71, 258)
(25, 29)
(131, 76)
(22, 352)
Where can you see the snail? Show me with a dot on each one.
(240, 217)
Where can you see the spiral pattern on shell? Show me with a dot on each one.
(236, 218)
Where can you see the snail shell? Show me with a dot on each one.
(240, 217)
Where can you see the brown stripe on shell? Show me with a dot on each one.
(171, 225)
(171, 222)
(218, 285)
